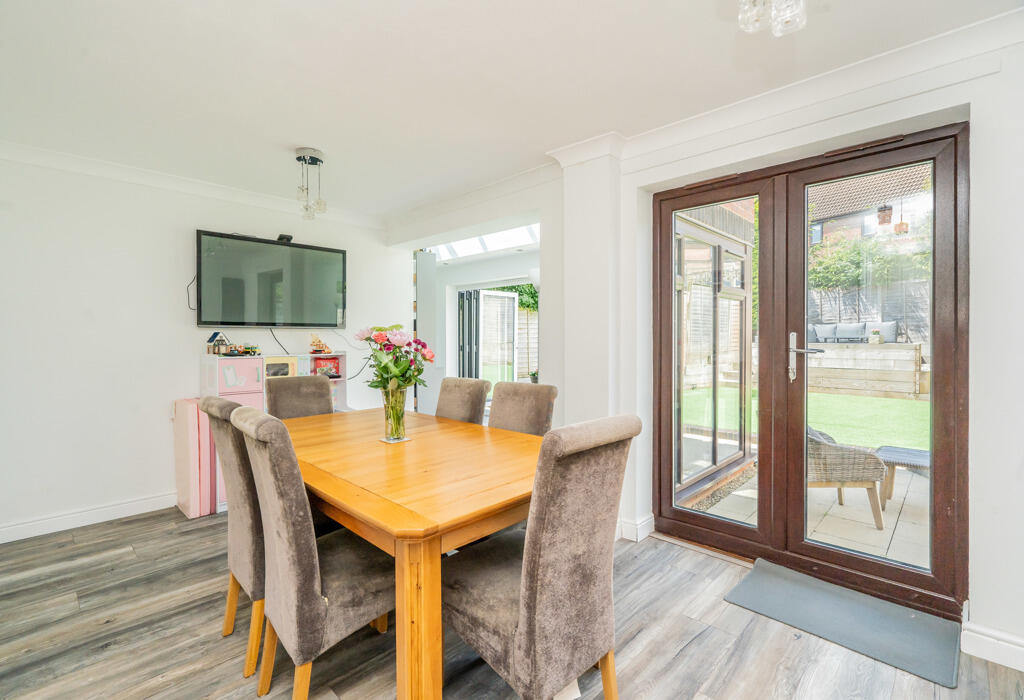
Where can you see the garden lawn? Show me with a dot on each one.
(866, 421)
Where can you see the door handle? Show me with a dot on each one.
(793, 350)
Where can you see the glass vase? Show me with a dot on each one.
(394, 414)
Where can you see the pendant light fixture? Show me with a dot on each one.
(310, 161)
(784, 16)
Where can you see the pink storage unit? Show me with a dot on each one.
(240, 379)
(193, 460)
(223, 376)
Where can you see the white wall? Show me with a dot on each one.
(97, 339)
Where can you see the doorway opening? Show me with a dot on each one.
(480, 299)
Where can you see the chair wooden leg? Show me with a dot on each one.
(300, 689)
(890, 482)
(876, 507)
(232, 605)
(381, 624)
(267, 663)
(607, 665)
(839, 491)
(252, 651)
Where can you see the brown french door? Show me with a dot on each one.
(810, 366)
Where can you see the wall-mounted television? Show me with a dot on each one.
(246, 281)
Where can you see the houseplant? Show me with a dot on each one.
(398, 360)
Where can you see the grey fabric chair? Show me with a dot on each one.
(537, 604)
(522, 407)
(463, 399)
(318, 591)
(245, 530)
(295, 397)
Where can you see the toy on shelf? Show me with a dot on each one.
(317, 346)
(328, 366)
(217, 344)
(240, 350)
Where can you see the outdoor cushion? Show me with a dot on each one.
(888, 330)
(812, 337)
(825, 331)
(849, 331)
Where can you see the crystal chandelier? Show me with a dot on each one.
(310, 161)
(785, 16)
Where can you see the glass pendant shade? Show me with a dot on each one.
(788, 16)
(753, 15)
(310, 161)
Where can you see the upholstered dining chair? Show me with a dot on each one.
(295, 397)
(537, 604)
(464, 399)
(318, 591)
(522, 407)
(245, 530)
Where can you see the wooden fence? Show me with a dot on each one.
(528, 338)
(892, 370)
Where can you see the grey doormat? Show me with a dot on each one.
(925, 645)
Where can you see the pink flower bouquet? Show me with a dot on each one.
(398, 361)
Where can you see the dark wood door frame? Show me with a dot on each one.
(944, 589)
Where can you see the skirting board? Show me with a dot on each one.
(992, 645)
(88, 516)
(636, 530)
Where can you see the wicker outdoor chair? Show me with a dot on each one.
(830, 465)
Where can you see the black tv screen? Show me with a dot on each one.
(245, 281)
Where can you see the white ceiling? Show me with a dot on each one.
(411, 100)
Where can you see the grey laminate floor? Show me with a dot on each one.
(132, 609)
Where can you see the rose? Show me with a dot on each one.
(400, 338)
(364, 333)
(380, 337)
(428, 355)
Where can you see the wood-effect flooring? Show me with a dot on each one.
(132, 608)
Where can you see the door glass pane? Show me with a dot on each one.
(497, 336)
(715, 301)
(869, 242)
(697, 326)
(729, 378)
(732, 270)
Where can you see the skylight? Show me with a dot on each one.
(520, 237)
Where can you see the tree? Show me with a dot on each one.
(835, 267)
(529, 297)
(840, 266)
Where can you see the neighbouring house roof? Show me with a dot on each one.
(838, 198)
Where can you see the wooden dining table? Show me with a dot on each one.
(449, 484)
